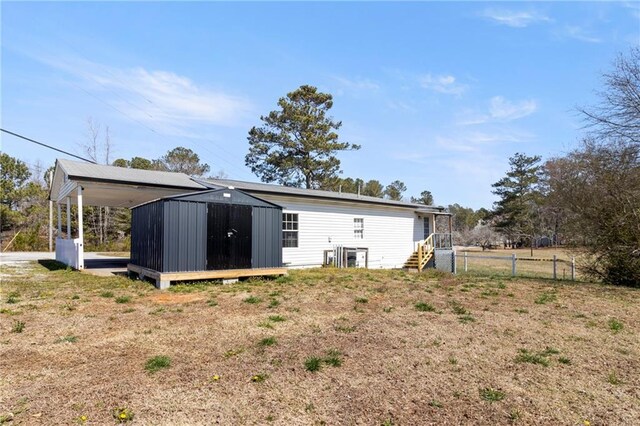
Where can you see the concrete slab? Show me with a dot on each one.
(95, 264)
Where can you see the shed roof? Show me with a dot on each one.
(218, 195)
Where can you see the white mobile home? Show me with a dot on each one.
(383, 233)
(318, 227)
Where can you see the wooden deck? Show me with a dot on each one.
(163, 279)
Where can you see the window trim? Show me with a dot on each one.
(292, 219)
(358, 228)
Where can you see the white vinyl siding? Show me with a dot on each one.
(391, 233)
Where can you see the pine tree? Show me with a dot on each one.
(297, 144)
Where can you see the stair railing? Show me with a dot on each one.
(425, 249)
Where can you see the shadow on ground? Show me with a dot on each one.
(111, 263)
(52, 265)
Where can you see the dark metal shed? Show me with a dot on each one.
(219, 229)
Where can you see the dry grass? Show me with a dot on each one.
(382, 362)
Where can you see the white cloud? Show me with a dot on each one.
(160, 99)
(515, 19)
(504, 110)
(500, 109)
(478, 142)
(442, 84)
(401, 106)
(357, 84)
(176, 99)
(579, 33)
(634, 8)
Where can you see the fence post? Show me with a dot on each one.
(573, 268)
(455, 262)
(465, 261)
(555, 267)
(513, 264)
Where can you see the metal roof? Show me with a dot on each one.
(101, 173)
(267, 188)
(119, 179)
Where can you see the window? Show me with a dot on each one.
(358, 228)
(289, 229)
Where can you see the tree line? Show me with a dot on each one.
(590, 197)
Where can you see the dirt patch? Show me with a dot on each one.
(169, 298)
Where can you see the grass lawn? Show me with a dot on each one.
(317, 347)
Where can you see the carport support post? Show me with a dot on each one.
(513, 264)
(50, 226)
(68, 218)
(573, 268)
(59, 221)
(80, 231)
(80, 224)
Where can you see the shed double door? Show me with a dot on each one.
(228, 236)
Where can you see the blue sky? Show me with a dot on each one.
(439, 95)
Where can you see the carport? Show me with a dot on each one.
(84, 184)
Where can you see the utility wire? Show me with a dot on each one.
(47, 146)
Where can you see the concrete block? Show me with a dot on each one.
(229, 281)
(162, 285)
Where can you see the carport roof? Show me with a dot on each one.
(116, 186)
(102, 173)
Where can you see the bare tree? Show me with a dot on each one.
(598, 189)
(617, 115)
(98, 147)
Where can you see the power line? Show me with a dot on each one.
(47, 146)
